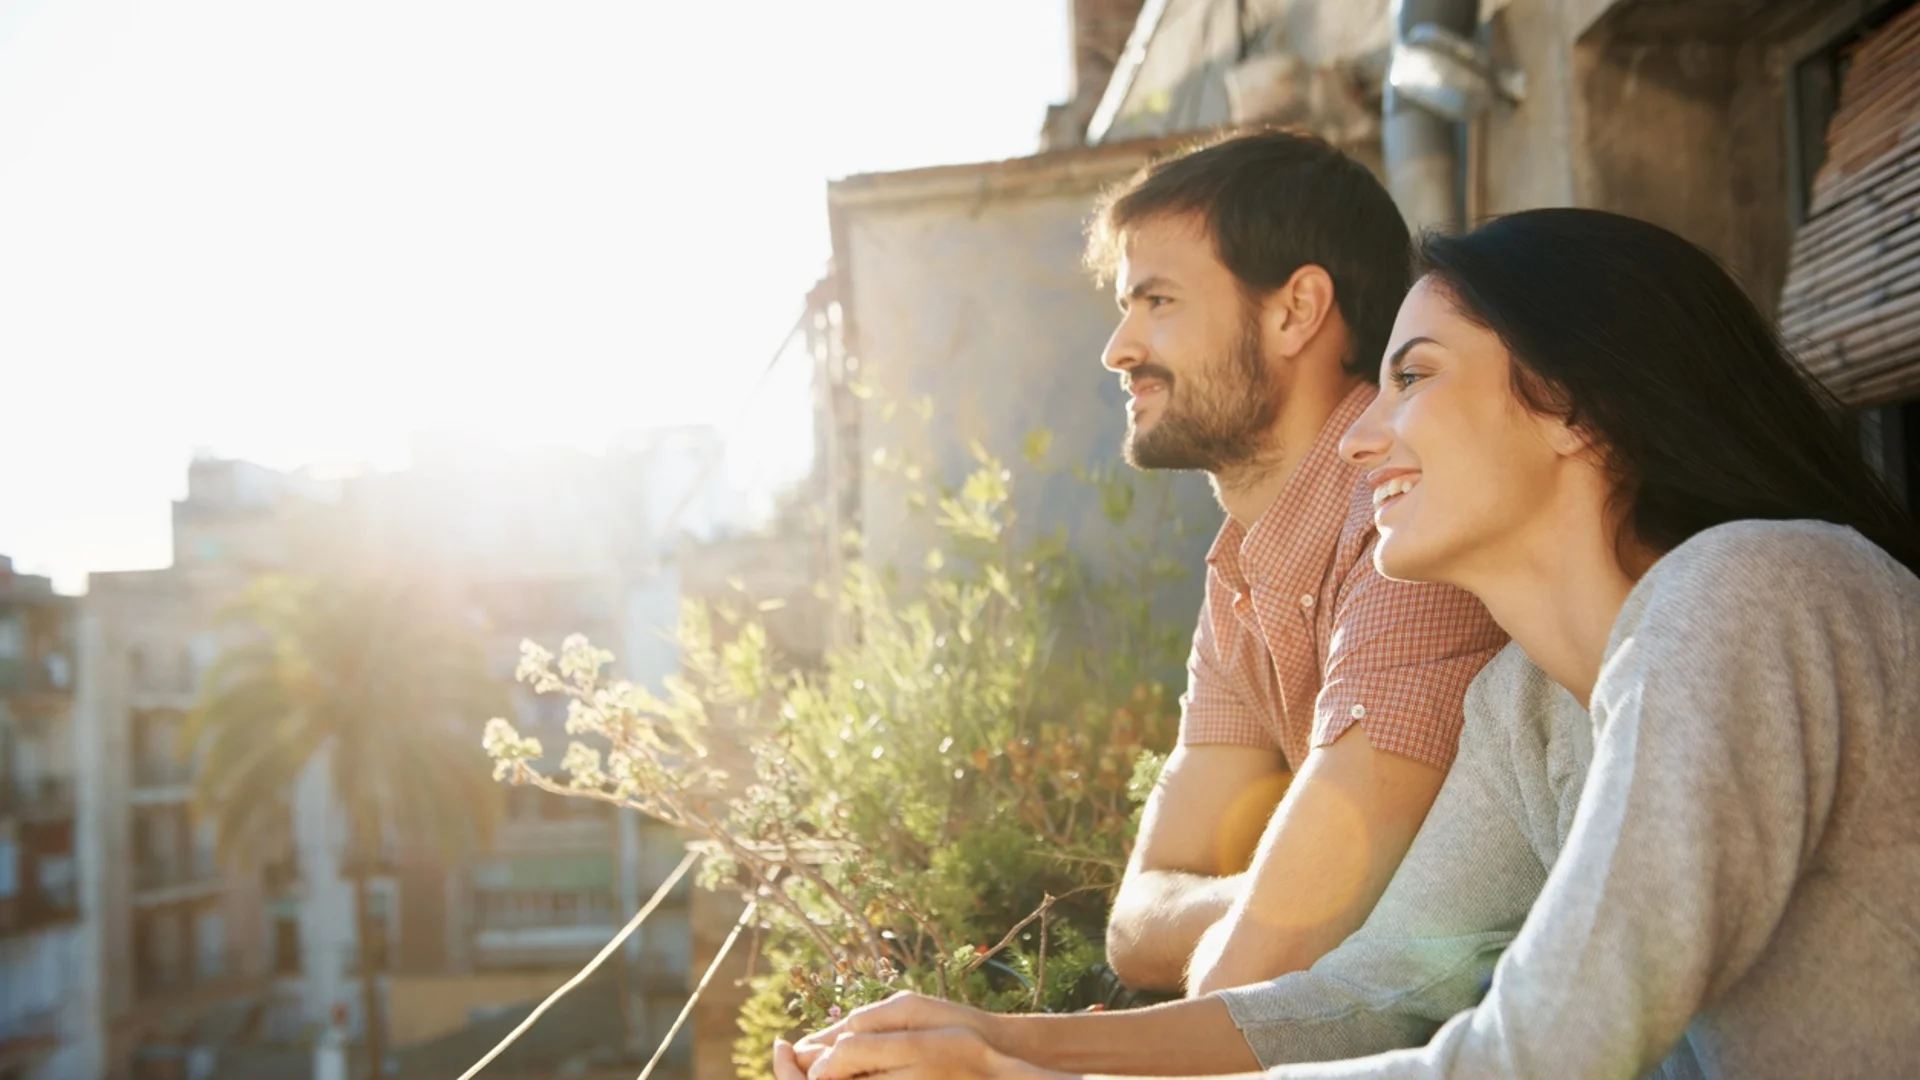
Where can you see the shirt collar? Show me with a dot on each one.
(1290, 544)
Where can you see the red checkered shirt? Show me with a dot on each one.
(1301, 638)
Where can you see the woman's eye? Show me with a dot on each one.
(1404, 378)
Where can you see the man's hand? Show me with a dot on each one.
(935, 1054)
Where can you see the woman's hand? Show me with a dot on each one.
(909, 1035)
(904, 1011)
(952, 1053)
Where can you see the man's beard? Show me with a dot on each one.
(1213, 420)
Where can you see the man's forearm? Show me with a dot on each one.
(1158, 920)
(1180, 1038)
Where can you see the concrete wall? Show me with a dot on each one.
(963, 286)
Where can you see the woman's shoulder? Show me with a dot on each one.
(1755, 556)
(1773, 571)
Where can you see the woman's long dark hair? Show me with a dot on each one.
(1642, 339)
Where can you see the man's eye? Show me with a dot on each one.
(1156, 301)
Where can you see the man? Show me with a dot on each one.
(1258, 280)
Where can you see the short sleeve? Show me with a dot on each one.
(1222, 706)
(1399, 663)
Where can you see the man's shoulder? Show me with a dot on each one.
(1362, 592)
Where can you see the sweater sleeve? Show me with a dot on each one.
(1428, 949)
(1718, 716)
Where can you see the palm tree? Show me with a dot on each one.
(376, 676)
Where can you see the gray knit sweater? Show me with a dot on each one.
(1735, 883)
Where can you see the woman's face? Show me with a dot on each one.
(1462, 471)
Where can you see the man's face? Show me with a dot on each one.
(1189, 352)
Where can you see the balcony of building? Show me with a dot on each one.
(27, 1037)
(540, 926)
(36, 648)
(161, 774)
(37, 798)
(162, 680)
(39, 886)
(158, 881)
(48, 896)
(173, 856)
(162, 779)
(195, 980)
(560, 835)
(25, 680)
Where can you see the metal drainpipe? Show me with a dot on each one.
(1422, 150)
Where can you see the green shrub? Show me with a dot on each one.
(948, 800)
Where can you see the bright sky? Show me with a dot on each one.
(296, 232)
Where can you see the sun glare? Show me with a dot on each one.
(293, 233)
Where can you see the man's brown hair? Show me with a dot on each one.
(1275, 201)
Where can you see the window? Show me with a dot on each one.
(1861, 219)
(210, 945)
(1890, 437)
(286, 945)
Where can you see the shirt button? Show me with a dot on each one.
(1358, 712)
(1306, 601)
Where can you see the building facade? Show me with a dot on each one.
(40, 1019)
(195, 968)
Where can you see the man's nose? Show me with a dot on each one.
(1123, 349)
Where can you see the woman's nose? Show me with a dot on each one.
(1366, 442)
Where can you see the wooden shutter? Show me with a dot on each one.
(1851, 307)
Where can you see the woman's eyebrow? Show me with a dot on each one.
(1399, 354)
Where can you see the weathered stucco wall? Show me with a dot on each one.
(967, 290)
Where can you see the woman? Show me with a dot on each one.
(1584, 422)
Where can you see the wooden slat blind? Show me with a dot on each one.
(1852, 301)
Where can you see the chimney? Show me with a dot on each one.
(1097, 33)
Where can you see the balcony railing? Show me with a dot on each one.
(520, 920)
(33, 1025)
(157, 874)
(38, 905)
(162, 773)
(30, 677)
(202, 972)
(382, 958)
(554, 835)
(45, 797)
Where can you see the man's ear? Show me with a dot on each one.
(1296, 312)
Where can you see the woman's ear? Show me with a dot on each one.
(1569, 438)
